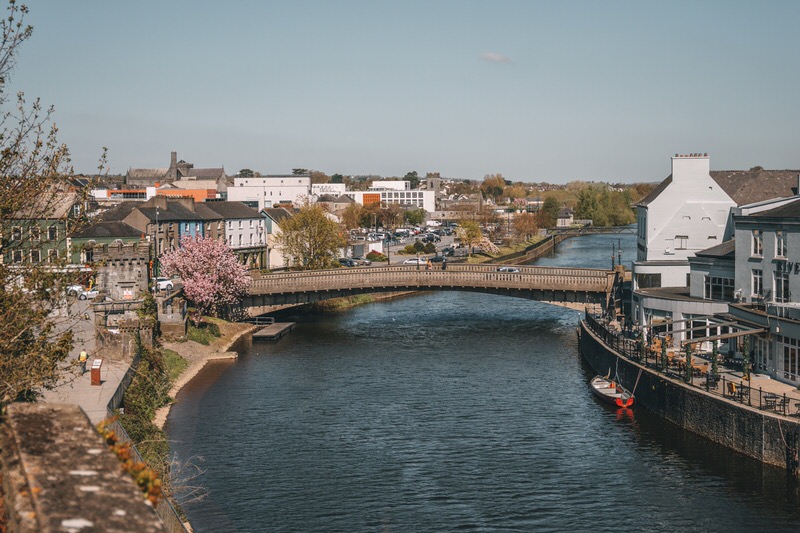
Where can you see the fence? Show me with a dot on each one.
(165, 511)
(698, 376)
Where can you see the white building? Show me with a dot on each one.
(411, 199)
(691, 211)
(335, 189)
(268, 191)
(392, 185)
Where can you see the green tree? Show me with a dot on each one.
(469, 232)
(310, 239)
(351, 216)
(246, 173)
(493, 186)
(35, 321)
(299, 171)
(525, 226)
(413, 178)
(549, 212)
(415, 217)
(337, 178)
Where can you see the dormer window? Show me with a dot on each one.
(758, 243)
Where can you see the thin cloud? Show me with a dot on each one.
(494, 57)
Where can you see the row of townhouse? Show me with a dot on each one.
(719, 261)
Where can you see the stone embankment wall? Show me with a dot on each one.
(532, 252)
(59, 475)
(757, 434)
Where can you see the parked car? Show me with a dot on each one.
(507, 269)
(361, 260)
(74, 290)
(164, 284)
(415, 261)
(346, 261)
(437, 259)
(88, 294)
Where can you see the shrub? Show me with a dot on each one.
(429, 248)
(409, 249)
(376, 256)
(419, 247)
(204, 333)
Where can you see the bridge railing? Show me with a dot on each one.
(483, 276)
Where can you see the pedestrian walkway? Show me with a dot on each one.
(77, 389)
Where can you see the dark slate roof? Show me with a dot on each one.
(725, 249)
(174, 212)
(278, 214)
(232, 210)
(565, 212)
(326, 198)
(101, 230)
(147, 173)
(119, 212)
(344, 199)
(757, 184)
(207, 213)
(790, 210)
(206, 173)
(655, 192)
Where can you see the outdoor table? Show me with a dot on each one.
(770, 400)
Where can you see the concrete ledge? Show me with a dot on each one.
(59, 475)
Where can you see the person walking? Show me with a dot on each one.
(444, 264)
(82, 358)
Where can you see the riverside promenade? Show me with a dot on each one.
(759, 418)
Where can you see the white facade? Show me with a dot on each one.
(336, 189)
(394, 185)
(246, 232)
(690, 214)
(267, 191)
(412, 198)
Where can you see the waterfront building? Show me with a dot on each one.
(691, 210)
(243, 228)
(274, 217)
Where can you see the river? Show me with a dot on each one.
(452, 411)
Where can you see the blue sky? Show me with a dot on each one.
(536, 91)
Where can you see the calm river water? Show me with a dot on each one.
(452, 412)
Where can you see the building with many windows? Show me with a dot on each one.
(262, 192)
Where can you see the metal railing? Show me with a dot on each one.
(728, 387)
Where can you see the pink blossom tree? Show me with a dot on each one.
(212, 277)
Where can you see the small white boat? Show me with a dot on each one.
(611, 392)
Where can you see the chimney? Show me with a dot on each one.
(173, 159)
(687, 168)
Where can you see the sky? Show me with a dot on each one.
(536, 91)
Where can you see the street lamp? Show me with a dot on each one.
(388, 247)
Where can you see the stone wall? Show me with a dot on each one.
(121, 343)
(745, 429)
(122, 270)
(59, 475)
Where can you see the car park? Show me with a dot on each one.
(507, 269)
(347, 262)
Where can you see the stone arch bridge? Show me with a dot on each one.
(570, 287)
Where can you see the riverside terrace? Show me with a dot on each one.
(569, 287)
(760, 392)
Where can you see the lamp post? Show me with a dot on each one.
(388, 256)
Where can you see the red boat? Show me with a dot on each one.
(611, 392)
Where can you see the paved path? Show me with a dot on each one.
(77, 389)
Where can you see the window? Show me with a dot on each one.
(681, 242)
(781, 287)
(52, 255)
(758, 282)
(758, 244)
(88, 255)
(17, 256)
(718, 288)
(790, 357)
(780, 244)
(240, 224)
(648, 281)
(36, 256)
(52, 233)
(36, 233)
(16, 233)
